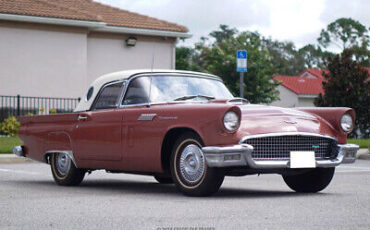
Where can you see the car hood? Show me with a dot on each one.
(261, 119)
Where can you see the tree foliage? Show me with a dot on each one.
(347, 85)
(223, 34)
(217, 55)
(185, 59)
(346, 33)
(313, 56)
(343, 33)
(285, 57)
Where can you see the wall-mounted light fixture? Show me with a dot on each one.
(131, 41)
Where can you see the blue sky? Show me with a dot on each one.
(299, 21)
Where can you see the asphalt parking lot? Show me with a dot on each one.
(29, 199)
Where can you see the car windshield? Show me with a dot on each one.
(175, 88)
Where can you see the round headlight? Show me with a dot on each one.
(346, 122)
(231, 121)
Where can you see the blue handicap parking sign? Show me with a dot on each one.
(242, 54)
(241, 61)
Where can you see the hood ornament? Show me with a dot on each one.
(291, 122)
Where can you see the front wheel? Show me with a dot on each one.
(64, 171)
(311, 181)
(189, 169)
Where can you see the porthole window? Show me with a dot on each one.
(89, 93)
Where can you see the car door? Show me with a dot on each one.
(141, 127)
(98, 132)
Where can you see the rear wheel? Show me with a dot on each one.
(311, 181)
(64, 171)
(189, 169)
(163, 180)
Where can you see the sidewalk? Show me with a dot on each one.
(13, 159)
(362, 154)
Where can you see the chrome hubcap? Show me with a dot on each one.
(63, 163)
(192, 163)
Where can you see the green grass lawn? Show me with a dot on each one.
(7, 143)
(363, 143)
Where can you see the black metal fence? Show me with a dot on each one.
(20, 105)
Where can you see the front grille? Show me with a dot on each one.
(279, 147)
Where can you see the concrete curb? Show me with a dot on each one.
(13, 159)
(363, 154)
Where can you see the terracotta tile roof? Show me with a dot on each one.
(43, 8)
(301, 85)
(318, 72)
(315, 72)
(86, 10)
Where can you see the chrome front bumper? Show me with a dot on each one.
(241, 155)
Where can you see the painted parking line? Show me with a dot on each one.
(351, 169)
(19, 172)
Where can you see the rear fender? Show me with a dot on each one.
(58, 142)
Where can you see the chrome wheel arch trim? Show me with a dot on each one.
(68, 153)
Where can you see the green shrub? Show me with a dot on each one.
(10, 126)
(52, 111)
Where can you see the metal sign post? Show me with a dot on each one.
(241, 66)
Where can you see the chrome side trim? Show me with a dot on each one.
(68, 153)
(285, 134)
(238, 101)
(18, 150)
(147, 117)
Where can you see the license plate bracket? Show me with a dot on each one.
(302, 159)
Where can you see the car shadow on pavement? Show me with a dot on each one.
(127, 187)
(259, 193)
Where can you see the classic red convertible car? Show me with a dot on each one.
(187, 128)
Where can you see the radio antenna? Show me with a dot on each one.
(151, 70)
(153, 57)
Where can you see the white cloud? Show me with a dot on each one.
(294, 20)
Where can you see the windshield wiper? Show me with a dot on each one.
(184, 98)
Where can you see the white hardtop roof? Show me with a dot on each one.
(122, 75)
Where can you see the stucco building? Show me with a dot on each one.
(56, 48)
(301, 90)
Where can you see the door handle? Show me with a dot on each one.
(81, 118)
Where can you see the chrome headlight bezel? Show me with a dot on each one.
(231, 121)
(346, 123)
